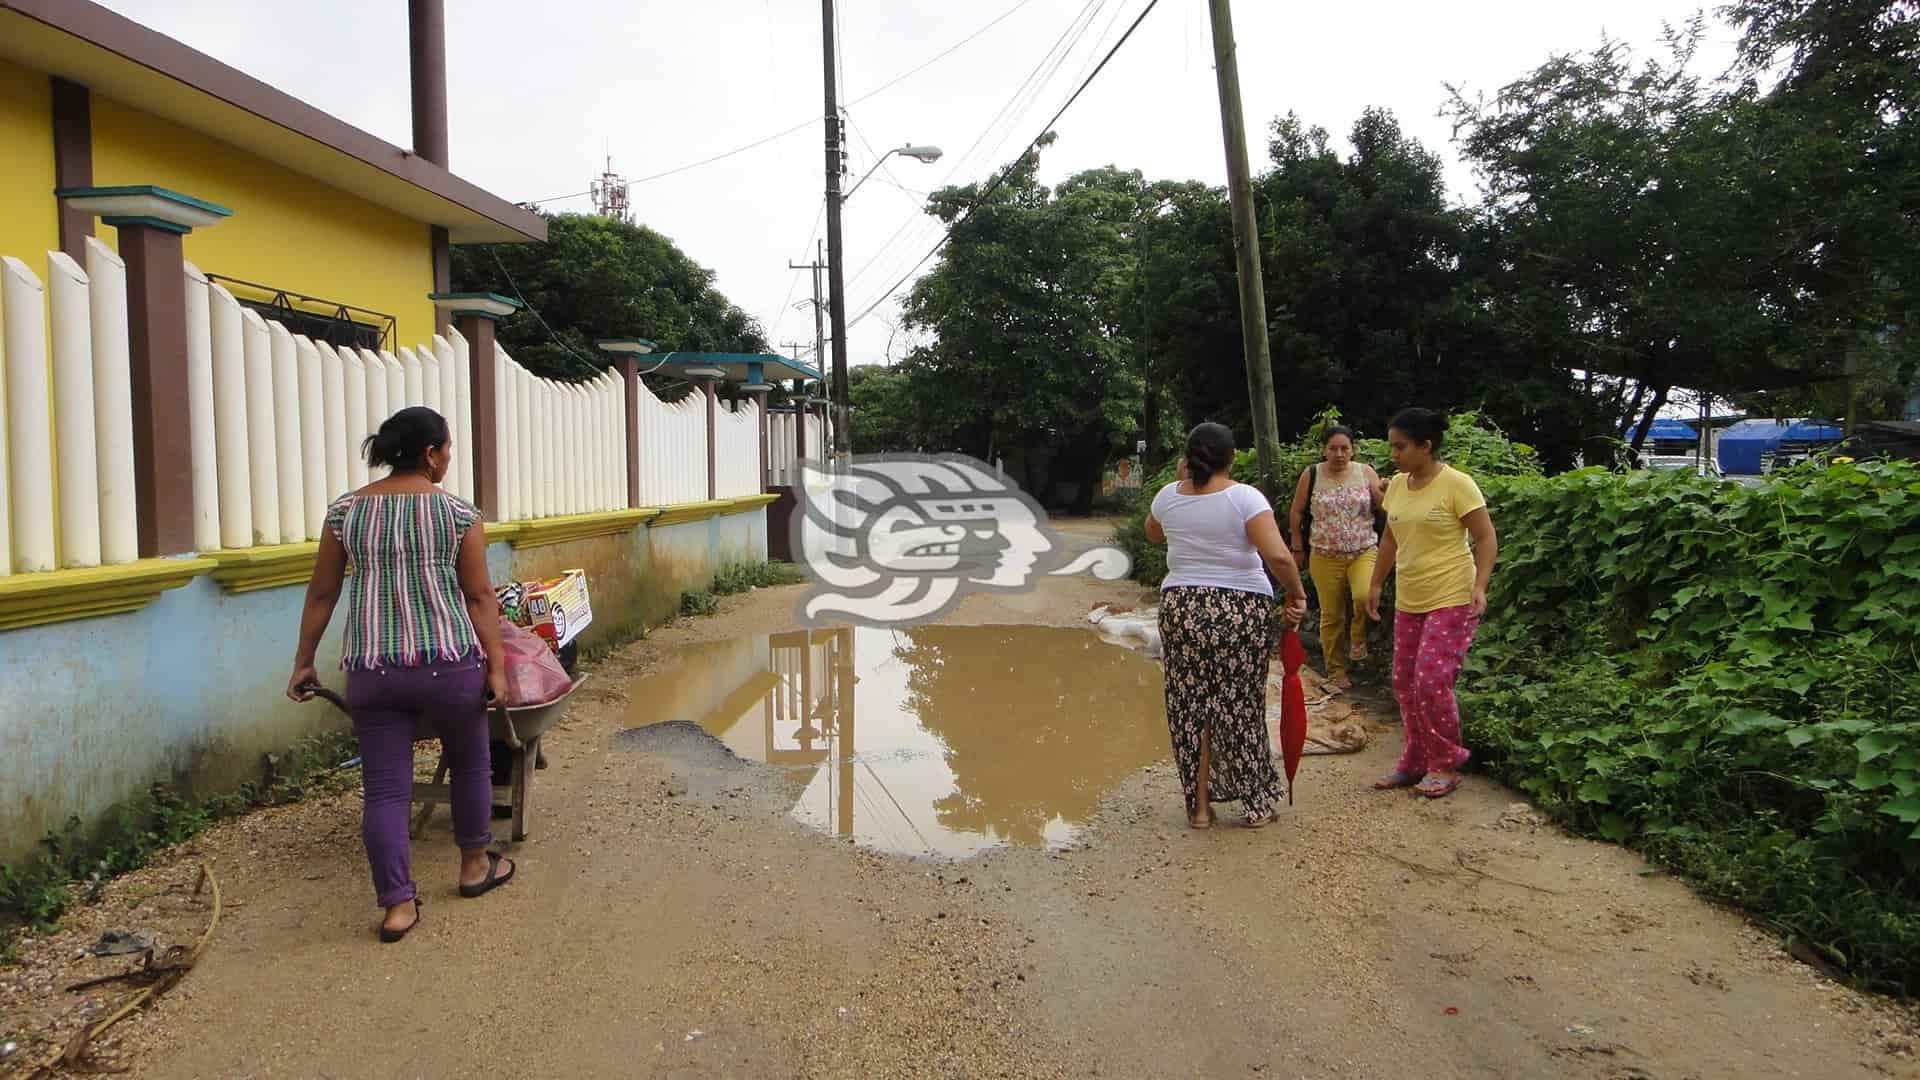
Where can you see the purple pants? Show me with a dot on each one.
(386, 703)
(1428, 650)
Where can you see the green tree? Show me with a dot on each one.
(884, 415)
(1622, 238)
(1377, 292)
(1830, 90)
(1025, 311)
(595, 277)
(1181, 311)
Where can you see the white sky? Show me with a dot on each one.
(541, 93)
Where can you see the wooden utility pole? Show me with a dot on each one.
(836, 277)
(1246, 248)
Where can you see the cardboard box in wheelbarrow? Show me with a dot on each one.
(557, 608)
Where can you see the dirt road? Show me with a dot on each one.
(672, 920)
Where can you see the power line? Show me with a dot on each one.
(942, 55)
(1068, 39)
(810, 121)
(1013, 112)
(564, 347)
(774, 330)
(1001, 177)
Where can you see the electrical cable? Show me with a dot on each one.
(1001, 177)
(1067, 41)
(810, 121)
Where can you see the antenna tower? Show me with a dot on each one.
(610, 195)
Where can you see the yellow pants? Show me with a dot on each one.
(1342, 582)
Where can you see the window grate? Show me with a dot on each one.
(321, 320)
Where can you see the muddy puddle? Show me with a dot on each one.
(943, 741)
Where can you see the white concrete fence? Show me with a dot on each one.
(289, 414)
(277, 421)
(66, 415)
(563, 446)
(736, 452)
(673, 449)
(780, 446)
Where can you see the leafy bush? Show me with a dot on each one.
(1725, 678)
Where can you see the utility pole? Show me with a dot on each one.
(836, 293)
(1246, 247)
(819, 306)
(819, 336)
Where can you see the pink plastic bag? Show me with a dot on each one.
(534, 674)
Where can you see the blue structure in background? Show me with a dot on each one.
(1667, 431)
(1811, 432)
(1744, 446)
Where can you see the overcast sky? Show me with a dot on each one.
(541, 93)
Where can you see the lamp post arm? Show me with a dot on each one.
(870, 172)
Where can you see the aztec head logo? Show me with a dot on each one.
(901, 538)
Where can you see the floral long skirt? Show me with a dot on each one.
(1216, 645)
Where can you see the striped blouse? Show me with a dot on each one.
(404, 604)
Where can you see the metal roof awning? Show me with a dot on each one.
(747, 368)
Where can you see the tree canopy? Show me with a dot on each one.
(594, 278)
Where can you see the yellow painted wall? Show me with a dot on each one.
(29, 220)
(287, 230)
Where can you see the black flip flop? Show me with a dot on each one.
(492, 882)
(389, 936)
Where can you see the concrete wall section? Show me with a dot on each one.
(190, 689)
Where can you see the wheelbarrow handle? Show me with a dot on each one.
(327, 695)
(340, 703)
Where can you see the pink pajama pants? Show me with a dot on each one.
(1428, 650)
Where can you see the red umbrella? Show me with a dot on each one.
(1293, 705)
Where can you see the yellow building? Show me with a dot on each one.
(335, 232)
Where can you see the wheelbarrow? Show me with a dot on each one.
(519, 727)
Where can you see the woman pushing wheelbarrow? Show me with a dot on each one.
(422, 640)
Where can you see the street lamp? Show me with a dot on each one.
(925, 155)
(836, 298)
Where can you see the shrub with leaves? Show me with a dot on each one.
(1726, 678)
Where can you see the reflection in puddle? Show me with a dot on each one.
(934, 740)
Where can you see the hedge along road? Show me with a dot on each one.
(670, 919)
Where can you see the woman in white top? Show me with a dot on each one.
(1216, 618)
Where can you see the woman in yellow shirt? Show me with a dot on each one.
(1441, 594)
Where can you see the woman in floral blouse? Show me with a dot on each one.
(1333, 514)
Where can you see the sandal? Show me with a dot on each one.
(1395, 780)
(388, 935)
(1438, 785)
(492, 880)
(1357, 652)
(1260, 820)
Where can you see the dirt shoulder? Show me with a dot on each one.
(670, 920)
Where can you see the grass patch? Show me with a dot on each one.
(735, 579)
(76, 865)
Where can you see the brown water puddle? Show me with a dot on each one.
(944, 741)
